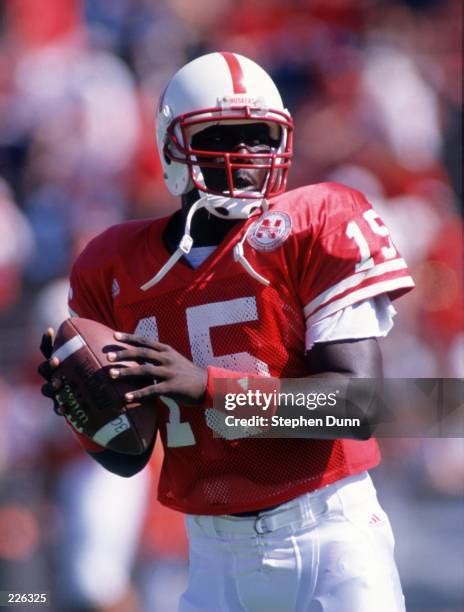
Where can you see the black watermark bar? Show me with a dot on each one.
(354, 408)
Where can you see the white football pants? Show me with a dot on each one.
(326, 551)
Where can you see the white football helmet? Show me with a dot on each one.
(222, 88)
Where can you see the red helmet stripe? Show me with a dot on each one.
(236, 72)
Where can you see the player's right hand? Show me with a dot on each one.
(47, 368)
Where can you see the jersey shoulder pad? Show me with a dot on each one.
(102, 250)
(320, 208)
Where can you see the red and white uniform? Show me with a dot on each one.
(322, 248)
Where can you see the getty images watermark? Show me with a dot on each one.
(358, 407)
(267, 401)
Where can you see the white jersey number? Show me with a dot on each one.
(354, 232)
(200, 320)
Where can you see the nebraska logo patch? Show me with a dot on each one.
(270, 231)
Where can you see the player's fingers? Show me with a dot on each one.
(140, 341)
(150, 391)
(146, 369)
(46, 344)
(52, 385)
(46, 368)
(47, 390)
(56, 383)
(136, 354)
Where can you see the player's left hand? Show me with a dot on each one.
(47, 369)
(173, 374)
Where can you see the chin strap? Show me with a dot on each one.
(186, 244)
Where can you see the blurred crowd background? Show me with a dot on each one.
(375, 88)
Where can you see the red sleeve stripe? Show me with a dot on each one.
(236, 72)
(394, 284)
(350, 282)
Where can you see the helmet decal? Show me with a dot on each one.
(236, 72)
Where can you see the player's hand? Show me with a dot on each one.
(173, 374)
(47, 368)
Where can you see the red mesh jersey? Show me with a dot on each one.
(322, 248)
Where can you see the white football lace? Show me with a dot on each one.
(186, 243)
(239, 256)
(185, 246)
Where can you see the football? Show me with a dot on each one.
(93, 402)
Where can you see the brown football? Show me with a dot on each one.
(92, 401)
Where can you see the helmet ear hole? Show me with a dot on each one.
(223, 211)
(167, 159)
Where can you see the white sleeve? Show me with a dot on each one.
(367, 319)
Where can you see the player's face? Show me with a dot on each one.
(254, 138)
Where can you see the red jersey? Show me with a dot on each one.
(322, 248)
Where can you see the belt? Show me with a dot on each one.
(255, 512)
(265, 521)
(303, 510)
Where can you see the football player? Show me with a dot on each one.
(246, 282)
